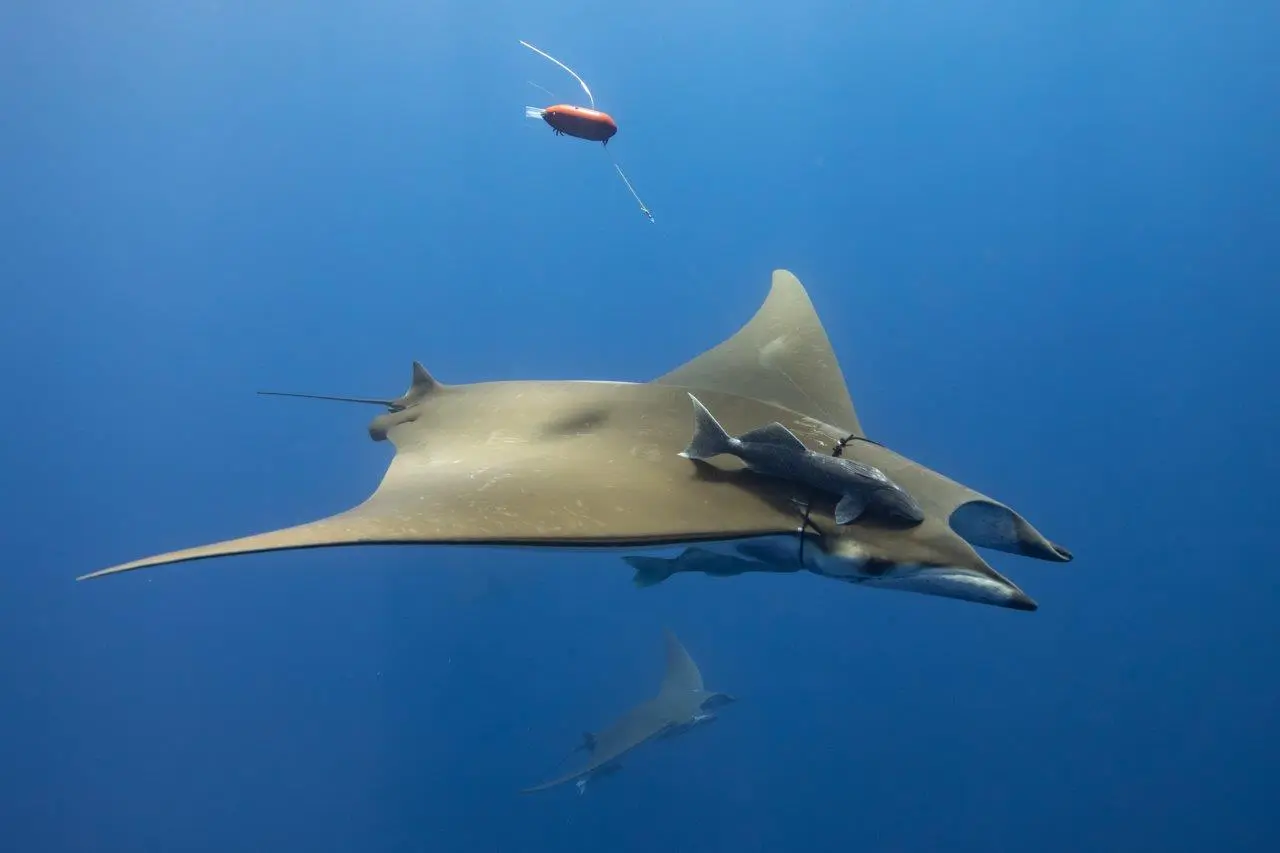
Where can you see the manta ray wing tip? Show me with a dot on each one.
(1022, 601)
(99, 573)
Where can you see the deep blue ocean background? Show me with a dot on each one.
(1043, 241)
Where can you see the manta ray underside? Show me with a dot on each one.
(589, 464)
(682, 703)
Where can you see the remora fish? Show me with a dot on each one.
(775, 451)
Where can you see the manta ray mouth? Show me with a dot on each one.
(953, 582)
(946, 582)
(938, 580)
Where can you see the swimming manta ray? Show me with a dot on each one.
(681, 704)
(592, 464)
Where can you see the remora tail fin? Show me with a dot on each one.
(709, 438)
(650, 571)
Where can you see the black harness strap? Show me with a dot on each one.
(837, 452)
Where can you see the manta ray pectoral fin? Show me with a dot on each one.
(849, 508)
(782, 355)
(682, 674)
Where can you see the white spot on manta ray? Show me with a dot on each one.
(499, 436)
(647, 452)
(492, 480)
(771, 350)
(821, 431)
(769, 356)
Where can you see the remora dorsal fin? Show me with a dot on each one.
(775, 434)
(682, 675)
(782, 355)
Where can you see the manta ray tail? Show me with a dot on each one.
(709, 438)
(421, 384)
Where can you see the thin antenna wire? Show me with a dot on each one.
(553, 95)
(590, 97)
(634, 194)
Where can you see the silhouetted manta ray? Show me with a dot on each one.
(596, 464)
(681, 704)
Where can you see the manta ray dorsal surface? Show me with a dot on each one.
(596, 464)
(467, 456)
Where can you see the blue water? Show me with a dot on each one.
(1041, 238)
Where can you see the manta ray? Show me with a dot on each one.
(681, 704)
(587, 464)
